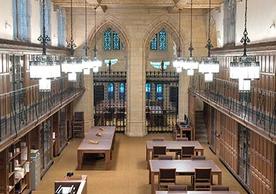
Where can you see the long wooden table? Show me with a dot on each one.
(183, 167)
(173, 146)
(197, 192)
(104, 145)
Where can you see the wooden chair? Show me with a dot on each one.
(219, 188)
(182, 139)
(165, 157)
(187, 152)
(198, 157)
(177, 188)
(158, 139)
(202, 179)
(158, 150)
(167, 176)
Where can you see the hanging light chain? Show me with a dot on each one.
(71, 44)
(44, 39)
(245, 39)
(95, 46)
(86, 34)
(191, 31)
(209, 42)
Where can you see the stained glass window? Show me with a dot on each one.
(162, 40)
(148, 88)
(107, 40)
(111, 40)
(153, 43)
(159, 91)
(122, 90)
(110, 90)
(116, 41)
(159, 41)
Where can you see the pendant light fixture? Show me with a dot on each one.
(209, 65)
(191, 64)
(245, 68)
(86, 62)
(71, 64)
(178, 63)
(44, 67)
(96, 64)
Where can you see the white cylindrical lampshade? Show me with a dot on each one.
(244, 85)
(95, 69)
(86, 71)
(72, 76)
(190, 72)
(44, 84)
(208, 77)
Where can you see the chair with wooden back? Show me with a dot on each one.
(158, 139)
(187, 152)
(198, 158)
(177, 188)
(219, 188)
(165, 157)
(202, 179)
(158, 150)
(166, 177)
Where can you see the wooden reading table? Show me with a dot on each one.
(104, 144)
(197, 192)
(183, 167)
(173, 146)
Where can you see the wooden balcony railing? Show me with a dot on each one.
(20, 108)
(257, 107)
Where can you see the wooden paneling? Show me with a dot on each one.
(261, 164)
(228, 138)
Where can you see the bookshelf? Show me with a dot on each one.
(60, 131)
(14, 167)
(78, 125)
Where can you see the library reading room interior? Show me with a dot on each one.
(137, 96)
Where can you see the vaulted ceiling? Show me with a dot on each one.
(130, 4)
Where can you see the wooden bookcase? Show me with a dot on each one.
(14, 167)
(60, 131)
(42, 140)
(78, 125)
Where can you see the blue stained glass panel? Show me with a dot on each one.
(153, 43)
(122, 88)
(163, 40)
(110, 90)
(148, 88)
(107, 40)
(116, 41)
(159, 91)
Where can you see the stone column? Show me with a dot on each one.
(86, 102)
(183, 95)
(136, 89)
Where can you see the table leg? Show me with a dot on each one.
(80, 160)
(147, 157)
(220, 178)
(107, 159)
(152, 183)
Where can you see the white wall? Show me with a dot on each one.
(6, 22)
(218, 19)
(35, 21)
(6, 19)
(54, 28)
(261, 15)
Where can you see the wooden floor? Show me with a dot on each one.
(128, 174)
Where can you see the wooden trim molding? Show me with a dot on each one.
(264, 47)
(13, 46)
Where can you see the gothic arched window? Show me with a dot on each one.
(159, 41)
(111, 40)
